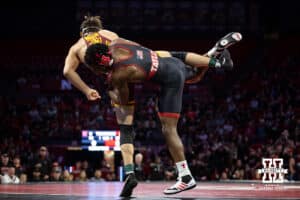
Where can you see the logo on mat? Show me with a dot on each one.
(272, 170)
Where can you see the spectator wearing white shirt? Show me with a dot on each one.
(10, 177)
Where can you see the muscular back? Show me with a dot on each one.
(133, 59)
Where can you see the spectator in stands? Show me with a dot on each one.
(42, 165)
(56, 172)
(110, 176)
(238, 171)
(23, 178)
(97, 176)
(10, 177)
(89, 171)
(224, 176)
(289, 157)
(77, 170)
(5, 163)
(18, 167)
(66, 176)
(36, 173)
(106, 170)
(82, 176)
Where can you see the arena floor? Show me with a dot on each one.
(151, 191)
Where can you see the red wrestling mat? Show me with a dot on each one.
(153, 190)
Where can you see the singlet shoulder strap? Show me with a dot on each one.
(94, 38)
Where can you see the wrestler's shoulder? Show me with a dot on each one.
(108, 34)
(78, 44)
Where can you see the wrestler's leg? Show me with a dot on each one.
(189, 58)
(185, 179)
(203, 61)
(196, 64)
(169, 108)
(169, 129)
(125, 115)
(225, 42)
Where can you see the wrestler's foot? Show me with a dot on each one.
(224, 42)
(225, 60)
(129, 184)
(183, 183)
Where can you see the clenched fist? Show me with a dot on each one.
(92, 94)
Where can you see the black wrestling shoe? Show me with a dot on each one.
(129, 184)
(225, 42)
(225, 60)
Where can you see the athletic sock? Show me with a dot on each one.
(183, 168)
(129, 169)
(213, 62)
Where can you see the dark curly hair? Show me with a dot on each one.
(94, 54)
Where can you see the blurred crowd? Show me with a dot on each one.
(229, 122)
(211, 16)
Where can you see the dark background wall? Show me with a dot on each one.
(50, 27)
(61, 19)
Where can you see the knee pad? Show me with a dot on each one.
(126, 134)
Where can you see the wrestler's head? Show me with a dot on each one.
(90, 24)
(98, 58)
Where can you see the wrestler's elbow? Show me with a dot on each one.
(67, 72)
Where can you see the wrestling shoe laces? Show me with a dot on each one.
(225, 42)
(129, 184)
(183, 183)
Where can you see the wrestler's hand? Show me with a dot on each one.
(92, 94)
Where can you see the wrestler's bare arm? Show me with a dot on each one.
(71, 64)
(109, 34)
